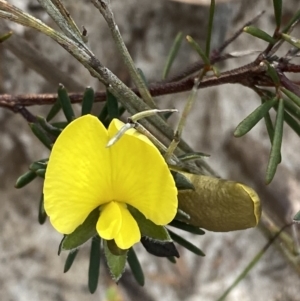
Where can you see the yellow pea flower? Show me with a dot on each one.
(82, 174)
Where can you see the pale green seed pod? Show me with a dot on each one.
(219, 205)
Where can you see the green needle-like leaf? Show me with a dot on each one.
(70, 259)
(294, 19)
(41, 173)
(54, 110)
(258, 33)
(210, 27)
(115, 263)
(297, 217)
(269, 126)
(277, 11)
(292, 108)
(172, 259)
(135, 267)
(197, 47)
(172, 54)
(192, 156)
(182, 183)
(292, 96)
(94, 266)
(275, 154)
(112, 105)
(148, 228)
(293, 41)
(272, 73)
(25, 179)
(5, 36)
(88, 100)
(41, 135)
(42, 215)
(65, 103)
(159, 248)
(82, 233)
(103, 114)
(251, 120)
(143, 76)
(293, 124)
(189, 246)
(60, 125)
(49, 128)
(187, 227)
(41, 164)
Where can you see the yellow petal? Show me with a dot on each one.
(219, 205)
(129, 232)
(78, 174)
(141, 176)
(110, 221)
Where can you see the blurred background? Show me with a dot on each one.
(29, 266)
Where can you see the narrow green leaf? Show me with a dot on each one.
(192, 156)
(258, 33)
(112, 105)
(189, 246)
(142, 75)
(292, 109)
(148, 228)
(49, 128)
(61, 125)
(54, 110)
(197, 47)
(277, 11)
(210, 27)
(182, 216)
(65, 103)
(42, 215)
(293, 97)
(297, 217)
(135, 267)
(25, 179)
(103, 114)
(293, 124)
(82, 233)
(293, 41)
(116, 264)
(186, 227)
(121, 110)
(41, 173)
(41, 135)
(272, 73)
(94, 266)
(70, 259)
(252, 119)
(159, 248)
(269, 126)
(294, 19)
(41, 164)
(172, 54)
(5, 36)
(275, 153)
(172, 259)
(88, 100)
(182, 183)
